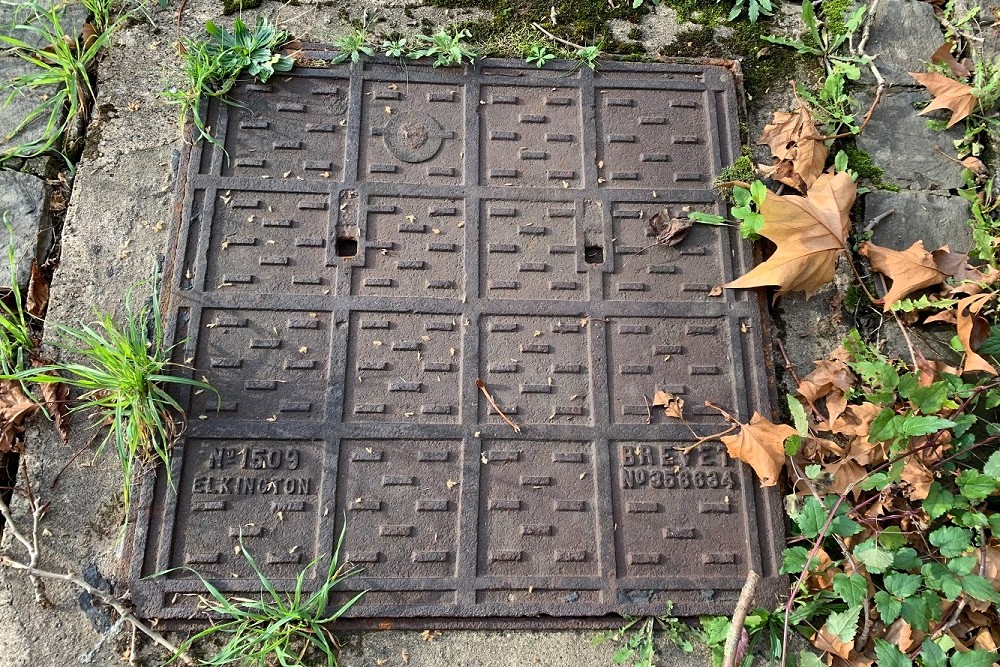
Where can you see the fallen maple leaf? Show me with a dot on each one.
(15, 407)
(948, 94)
(798, 150)
(943, 56)
(672, 405)
(761, 444)
(973, 329)
(909, 270)
(809, 232)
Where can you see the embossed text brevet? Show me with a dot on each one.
(371, 243)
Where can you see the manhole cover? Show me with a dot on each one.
(377, 241)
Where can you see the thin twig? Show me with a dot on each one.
(493, 404)
(877, 219)
(743, 605)
(902, 329)
(558, 39)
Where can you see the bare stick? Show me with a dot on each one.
(877, 219)
(493, 404)
(36, 574)
(743, 605)
(558, 39)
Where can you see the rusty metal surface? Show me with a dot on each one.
(378, 240)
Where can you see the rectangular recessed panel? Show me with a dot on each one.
(435, 312)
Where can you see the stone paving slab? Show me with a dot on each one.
(23, 199)
(903, 36)
(934, 217)
(913, 156)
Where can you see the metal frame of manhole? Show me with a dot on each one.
(379, 239)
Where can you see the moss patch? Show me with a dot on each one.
(834, 12)
(861, 162)
(582, 22)
(234, 6)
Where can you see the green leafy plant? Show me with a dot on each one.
(276, 628)
(764, 630)
(394, 48)
(539, 56)
(588, 55)
(747, 210)
(58, 75)
(754, 9)
(210, 66)
(447, 48)
(124, 379)
(16, 337)
(352, 46)
(249, 48)
(831, 103)
(828, 44)
(636, 637)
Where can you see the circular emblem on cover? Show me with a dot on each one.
(413, 137)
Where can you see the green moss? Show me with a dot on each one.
(833, 13)
(582, 22)
(740, 170)
(234, 6)
(635, 34)
(852, 297)
(861, 163)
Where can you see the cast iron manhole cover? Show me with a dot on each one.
(379, 239)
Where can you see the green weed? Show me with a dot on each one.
(275, 628)
(124, 380)
(16, 338)
(210, 66)
(58, 79)
(394, 48)
(636, 637)
(539, 56)
(588, 55)
(446, 48)
(754, 8)
(352, 46)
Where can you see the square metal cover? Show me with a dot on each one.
(377, 240)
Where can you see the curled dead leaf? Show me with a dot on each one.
(38, 293)
(672, 405)
(909, 270)
(944, 56)
(799, 152)
(669, 231)
(973, 329)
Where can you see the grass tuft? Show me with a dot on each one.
(124, 379)
(276, 628)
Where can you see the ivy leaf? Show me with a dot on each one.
(844, 624)
(903, 585)
(875, 558)
(980, 588)
(888, 607)
(939, 501)
(951, 540)
(890, 656)
(976, 486)
(992, 467)
(931, 654)
(917, 612)
(976, 658)
(852, 589)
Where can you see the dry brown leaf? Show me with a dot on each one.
(15, 407)
(828, 376)
(943, 56)
(948, 94)
(761, 444)
(669, 231)
(918, 479)
(976, 166)
(55, 397)
(900, 634)
(829, 642)
(809, 233)
(909, 270)
(844, 474)
(672, 405)
(798, 150)
(973, 329)
(38, 293)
